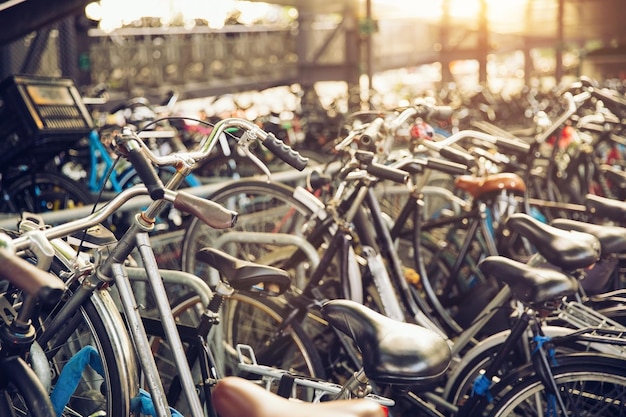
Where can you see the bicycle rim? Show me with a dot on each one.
(586, 389)
(244, 320)
(41, 192)
(97, 324)
(587, 385)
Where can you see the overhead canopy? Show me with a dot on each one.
(582, 20)
(20, 17)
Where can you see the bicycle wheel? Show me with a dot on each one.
(243, 320)
(263, 208)
(587, 385)
(96, 324)
(21, 391)
(41, 192)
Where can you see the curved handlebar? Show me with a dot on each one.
(275, 145)
(208, 211)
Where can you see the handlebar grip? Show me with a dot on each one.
(441, 112)
(146, 172)
(36, 282)
(388, 173)
(512, 145)
(448, 167)
(285, 152)
(210, 212)
(458, 156)
(370, 134)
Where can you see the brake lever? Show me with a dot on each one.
(244, 145)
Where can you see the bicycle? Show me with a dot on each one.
(274, 208)
(495, 393)
(93, 277)
(290, 311)
(22, 392)
(35, 129)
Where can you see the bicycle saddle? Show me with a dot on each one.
(569, 250)
(393, 352)
(236, 397)
(612, 238)
(245, 275)
(606, 207)
(479, 186)
(529, 283)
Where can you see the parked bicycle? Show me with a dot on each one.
(25, 287)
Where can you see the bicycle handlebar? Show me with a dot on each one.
(415, 165)
(275, 145)
(612, 101)
(44, 286)
(386, 172)
(369, 135)
(208, 211)
(142, 165)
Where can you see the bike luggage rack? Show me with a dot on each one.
(597, 327)
(271, 377)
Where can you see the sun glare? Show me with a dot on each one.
(499, 12)
(214, 12)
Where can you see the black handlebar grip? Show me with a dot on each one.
(210, 212)
(388, 173)
(513, 145)
(285, 152)
(448, 167)
(458, 156)
(147, 173)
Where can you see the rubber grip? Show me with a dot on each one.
(285, 152)
(458, 156)
(388, 173)
(210, 212)
(441, 112)
(147, 173)
(512, 145)
(26, 276)
(448, 167)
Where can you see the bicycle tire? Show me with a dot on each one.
(98, 324)
(590, 385)
(461, 379)
(22, 393)
(248, 320)
(43, 191)
(455, 297)
(272, 207)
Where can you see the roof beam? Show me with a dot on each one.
(19, 18)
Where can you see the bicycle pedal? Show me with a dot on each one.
(94, 237)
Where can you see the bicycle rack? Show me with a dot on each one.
(272, 376)
(583, 317)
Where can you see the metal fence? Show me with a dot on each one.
(148, 58)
